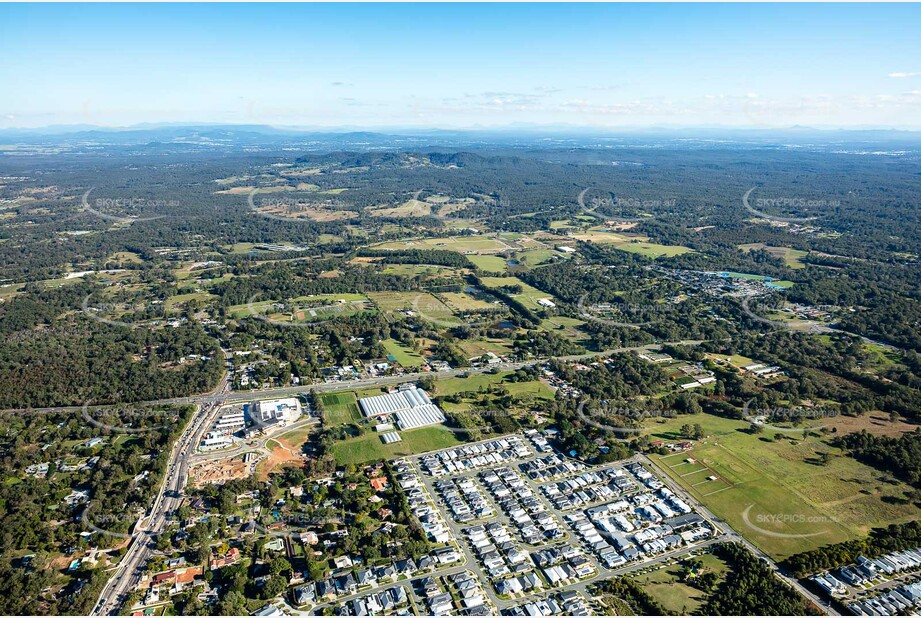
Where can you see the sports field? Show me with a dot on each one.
(339, 408)
(769, 280)
(780, 494)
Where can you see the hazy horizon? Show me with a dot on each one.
(464, 67)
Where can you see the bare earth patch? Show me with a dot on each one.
(280, 455)
(876, 423)
(314, 213)
(219, 471)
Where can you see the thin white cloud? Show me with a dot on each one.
(493, 100)
(904, 74)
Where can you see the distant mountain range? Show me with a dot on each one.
(205, 137)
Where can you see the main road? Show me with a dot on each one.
(130, 569)
(224, 395)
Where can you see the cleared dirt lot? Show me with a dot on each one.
(219, 471)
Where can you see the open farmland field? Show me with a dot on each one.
(791, 257)
(529, 295)
(410, 208)
(440, 205)
(536, 257)
(665, 586)
(9, 290)
(422, 303)
(313, 313)
(653, 250)
(315, 211)
(791, 321)
(568, 327)
(299, 172)
(125, 257)
(479, 347)
(369, 447)
(489, 263)
(201, 297)
(304, 308)
(879, 357)
(462, 244)
(414, 270)
(185, 282)
(877, 423)
(470, 384)
(736, 360)
(445, 206)
(247, 189)
(461, 301)
(632, 243)
(473, 383)
(403, 355)
(530, 390)
(241, 248)
(603, 236)
(400, 301)
(777, 492)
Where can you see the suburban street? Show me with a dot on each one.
(471, 562)
(130, 569)
(571, 540)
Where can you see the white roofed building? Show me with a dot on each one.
(410, 406)
(273, 411)
(404, 399)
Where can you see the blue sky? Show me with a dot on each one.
(456, 66)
